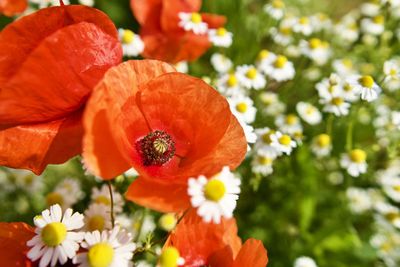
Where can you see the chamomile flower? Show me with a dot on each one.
(283, 143)
(280, 69)
(366, 87)
(282, 35)
(215, 197)
(97, 217)
(72, 188)
(370, 9)
(62, 197)
(303, 26)
(137, 224)
(264, 60)
(391, 69)
(170, 257)
(86, 2)
(276, 9)
(264, 142)
(132, 44)
(228, 85)
(192, 22)
(106, 249)
(243, 108)
(221, 63)
(102, 196)
(309, 113)
(220, 37)
(262, 162)
(47, 3)
(249, 133)
(349, 92)
(317, 50)
(359, 200)
(374, 26)
(354, 162)
(182, 66)
(321, 145)
(343, 67)
(347, 30)
(272, 106)
(304, 261)
(250, 77)
(27, 180)
(289, 124)
(55, 240)
(168, 221)
(388, 213)
(329, 87)
(336, 105)
(320, 21)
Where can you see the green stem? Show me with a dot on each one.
(112, 203)
(329, 125)
(349, 136)
(139, 231)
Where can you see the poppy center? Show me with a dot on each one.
(156, 148)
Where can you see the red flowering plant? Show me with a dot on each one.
(12, 7)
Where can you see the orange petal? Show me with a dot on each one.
(34, 146)
(213, 21)
(13, 248)
(112, 119)
(12, 7)
(50, 72)
(146, 11)
(159, 196)
(170, 10)
(252, 254)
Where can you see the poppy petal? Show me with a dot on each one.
(157, 195)
(171, 8)
(213, 21)
(252, 254)
(146, 11)
(12, 7)
(13, 248)
(113, 103)
(33, 146)
(64, 60)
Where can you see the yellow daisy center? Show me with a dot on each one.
(221, 31)
(285, 30)
(54, 198)
(347, 63)
(96, 222)
(315, 43)
(169, 257)
(241, 107)
(266, 138)
(280, 62)
(348, 87)
(196, 18)
(100, 255)
(232, 80)
(310, 110)
(393, 72)
(379, 19)
(251, 73)
(103, 200)
(337, 101)
(263, 54)
(128, 36)
(53, 234)
(285, 140)
(304, 21)
(323, 140)
(397, 188)
(392, 216)
(168, 221)
(366, 81)
(214, 190)
(358, 155)
(291, 119)
(263, 160)
(278, 4)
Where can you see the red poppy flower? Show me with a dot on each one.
(13, 248)
(12, 7)
(163, 37)
(49, 63)
(167, 125)
(217, 245)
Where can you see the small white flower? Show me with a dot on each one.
(249, 133)
(132, 44)
(182, 66)
(47, 3)
(370, 9)
(86, 2)
(359, 200)
(366, 87)
(304, 261)
(134, 224)
(344, 67)
(354, 162)
(289, 124)
(347, 30)
(55, 240)
(283, 143)
(220, 37)
(221, 63)
(391, 69)
(303, 26)
(276, 9)
(109, 248)
(250, 77)
(272, 105)
(264, 60)
(315, 49)
(374, 26)
(388, 213)
(321, 145)
(264, 142)
(329, 87)
(215, 197)
(262, 162)
(102, 196)
(282, 35)
(309, 113)
(336, 105)
(228, 85)
(192, 22)
(280, 69)
(97, 217)
(27, 180)
(243, 108)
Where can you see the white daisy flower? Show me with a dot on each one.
(135, 225)
(282, 35)
(192, 22)
(289, 124)
(349, 92)
(86, 2)
(389, 213)
(391, 69)
(391, 186)
(304, 261)
(109, 248)
(283, 143)
(249, 134)
(359, 200)
(347, 29)
(102, 196)
(354, 162)
(62, 197)
(228, 85)
(97, 217)
(303, 26)
(366, 87)
(370, 9)
(281, 69)
(329, 87)
(309, 113)
(272, 105)
(336, 105)
(321, 21)
(182, 66)
(374, 26)
(250, 77)
(321, 145)
(262, 163)
(316, 50)
(264, 60)
(344, 67)
(243, 108)
(276, 9)
(55, 240)
(221, 63)
(170, 257)
(47, 3)
(27, 180)
(215, 197)
(220, 37)
(132, 44)
(264, 142)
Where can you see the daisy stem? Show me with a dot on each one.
(349, 136)
(112, 203)
(144, 213)
(329, 125)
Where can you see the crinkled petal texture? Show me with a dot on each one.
(138, 97)
(12, 7)
(49, 63)
(13, 248)
(163, 37)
